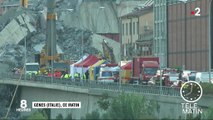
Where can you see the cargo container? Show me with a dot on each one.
(144, 68)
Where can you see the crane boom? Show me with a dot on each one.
(51, 29)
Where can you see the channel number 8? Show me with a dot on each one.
(23, 104)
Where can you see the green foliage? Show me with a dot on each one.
(69, 117)
(92, 116)
(23, 118)
(207, 88)
(131, 106)
(46, 112)
(38, 115)
(125, 106)
(59, 117)
(104, 102)
(209, 114)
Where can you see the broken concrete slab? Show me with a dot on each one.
(97, 43)
(40, 46)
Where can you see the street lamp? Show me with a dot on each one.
(82, 43)
(210, 5)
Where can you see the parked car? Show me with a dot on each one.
(186, 74)
(173, 76)
(192, 75)
(203, 77)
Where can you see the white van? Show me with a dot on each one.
(32, 68)
(106, 75)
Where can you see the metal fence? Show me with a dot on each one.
(146, 89)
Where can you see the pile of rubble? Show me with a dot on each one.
(74, 43)
(12, 54)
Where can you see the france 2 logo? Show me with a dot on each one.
(23, 106)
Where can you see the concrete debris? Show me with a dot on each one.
(12, 55)
(16, 29)
(74, 43)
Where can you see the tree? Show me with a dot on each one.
(38, 115)
(209, 114)
(125, 106)
(104, 102)
(69, 117)
(92, 116)
(131, 106)
(59, 117)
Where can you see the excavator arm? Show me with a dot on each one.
(108, 52)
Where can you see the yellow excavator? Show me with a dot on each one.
(24, 3)
(108, 52)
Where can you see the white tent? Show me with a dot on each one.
(72, 68)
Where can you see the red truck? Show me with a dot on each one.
(144, 68)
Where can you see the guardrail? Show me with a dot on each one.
(94, 84)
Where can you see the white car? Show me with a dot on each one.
(186, 74)
(204, 77)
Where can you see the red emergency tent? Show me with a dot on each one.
(128, 66)
(111, 65)
(90, 60)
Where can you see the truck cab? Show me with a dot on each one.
(144, 68)
(149, 69)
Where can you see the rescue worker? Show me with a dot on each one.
(76, 76)
(39, 72)
(67, 76)
(84, 77)
(30, 74)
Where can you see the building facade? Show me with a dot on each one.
(189, 35)
(129, 34)
(137, 33)
(145, 41)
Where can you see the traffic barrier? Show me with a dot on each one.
(147, 89)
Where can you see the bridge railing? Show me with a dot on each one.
(94, 84)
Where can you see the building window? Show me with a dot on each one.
(123, 29)
(126, 28)
(124, 49)
(130, 28)
(133, 28)
(137, 32)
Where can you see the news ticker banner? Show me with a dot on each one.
(56, 105)
(51, 105)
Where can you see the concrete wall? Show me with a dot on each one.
(170, 107)
(88, 102)
(88, 15)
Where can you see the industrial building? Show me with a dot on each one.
(188, 34)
